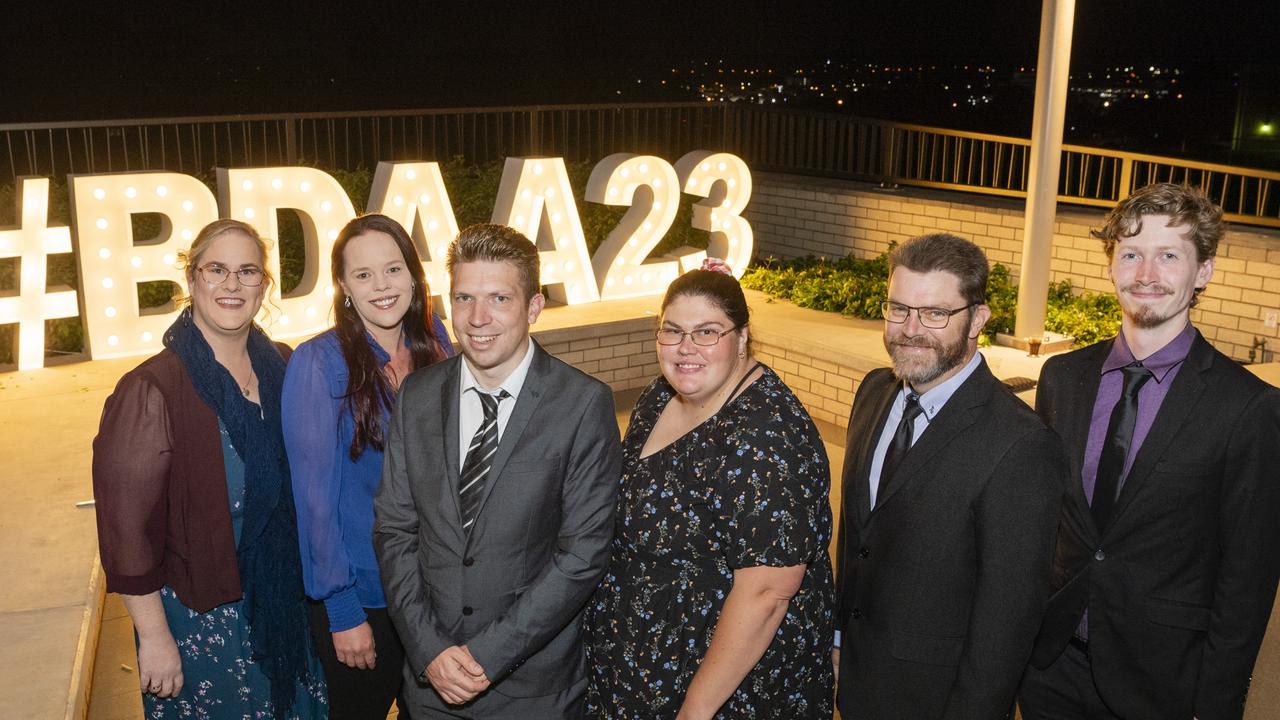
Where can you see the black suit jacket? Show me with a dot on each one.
(943, 584)
(1180, 587)
(513, 589)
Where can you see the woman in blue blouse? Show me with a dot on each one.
(338, 393)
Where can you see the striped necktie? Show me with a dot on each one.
(475, 470)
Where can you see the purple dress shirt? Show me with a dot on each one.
(1163, 364)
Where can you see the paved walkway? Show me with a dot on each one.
(51, 601)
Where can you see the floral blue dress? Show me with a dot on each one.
(220, 682)
(748, 487)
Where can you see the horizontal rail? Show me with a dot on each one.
(769, 139)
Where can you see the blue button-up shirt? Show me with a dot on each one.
(333, 493)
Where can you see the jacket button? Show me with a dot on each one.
(467, 610)
(856, 614)
(864, 553)
(1099, 555)
(468, 562)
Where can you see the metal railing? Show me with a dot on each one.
(349, 141)
(900, 153)
(778, 140)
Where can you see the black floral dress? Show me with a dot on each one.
(747, 487)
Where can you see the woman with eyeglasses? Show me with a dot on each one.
(337, 399)
(718, 601)
(196, 523)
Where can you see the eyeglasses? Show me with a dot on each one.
(704, 337)
(930, 317)
(215, 274)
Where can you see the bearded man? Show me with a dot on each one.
(1166, 565)
(952, 489)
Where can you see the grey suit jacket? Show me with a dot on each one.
(513, 589)
(942, 584)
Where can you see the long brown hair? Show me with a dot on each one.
(368, 391)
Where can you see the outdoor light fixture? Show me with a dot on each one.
(413, 194)
(32, 241)
(725, 181)
(1266, 128)
(113, 261)
(535, 198)
(255, 195)
(620, 262)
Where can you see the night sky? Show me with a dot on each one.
(149, 59)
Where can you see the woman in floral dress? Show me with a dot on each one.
(718, 602)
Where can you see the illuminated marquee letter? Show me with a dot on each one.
(700, 172)
(112, 263)
(32, 241)
(254, 196)
(534, 197)
(413, 194)
(619, 262)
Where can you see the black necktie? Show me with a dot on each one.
(901, 441)
(1119, 438)
(475, 470)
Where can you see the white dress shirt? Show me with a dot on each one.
(471, 413)
(931, 403)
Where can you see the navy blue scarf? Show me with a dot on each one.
(268, 555)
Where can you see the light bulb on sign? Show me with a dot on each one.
(731, 235)
(530, 190)
(32, 240)
(432, 224)
(306, 192)
(123, 263)
(615, 181)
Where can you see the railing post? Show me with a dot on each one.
(887, 155)
(535, 132)
(290, 141)
(1126, 178)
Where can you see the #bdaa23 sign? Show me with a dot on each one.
(534, 197)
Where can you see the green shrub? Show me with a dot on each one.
(854, 286)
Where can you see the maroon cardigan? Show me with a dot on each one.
(161, 489)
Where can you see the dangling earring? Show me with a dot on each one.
(347, 302)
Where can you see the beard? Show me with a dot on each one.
(1145, 316)
(921, 369)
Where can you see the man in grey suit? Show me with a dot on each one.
(495, 513)
(952, 487)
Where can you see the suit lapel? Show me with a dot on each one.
(859, 458)
(451, 405)
(960, 412)
(1187, 388)
(1079, 394)
(530, 395)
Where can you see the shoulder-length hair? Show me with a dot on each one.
(368, 391)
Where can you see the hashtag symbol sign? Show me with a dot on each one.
(32, 241)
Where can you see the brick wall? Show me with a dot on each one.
(823, 379)
(796, 216)
(618, 353)
(621, 353)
